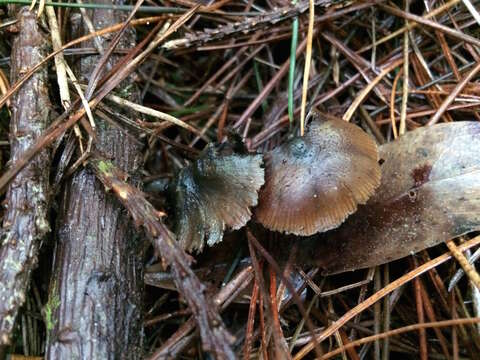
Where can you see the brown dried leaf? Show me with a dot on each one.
(312, 183)
(430, 193)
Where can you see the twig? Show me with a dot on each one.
(89, 290)
(249, 25)
(215, 338)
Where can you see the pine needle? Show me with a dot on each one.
(308, 60)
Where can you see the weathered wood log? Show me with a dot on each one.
(96, 287)
(25, 223)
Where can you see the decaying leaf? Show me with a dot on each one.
(214, 192)
(312, 183)
(430, 193)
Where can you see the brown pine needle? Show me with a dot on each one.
(411, 25)
(463, 261)
(451, 97)
(363, 94)
(432, 24)
(434, 324)
(380, 294)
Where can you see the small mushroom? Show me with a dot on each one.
(214, 192)
(312, 183)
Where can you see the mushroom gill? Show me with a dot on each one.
(214, 192)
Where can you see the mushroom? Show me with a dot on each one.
(214, 192)
(313, 183)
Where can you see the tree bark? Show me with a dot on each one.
(96, 287)
(25, 223)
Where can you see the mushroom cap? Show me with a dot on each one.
(214, 192)
(312, 183)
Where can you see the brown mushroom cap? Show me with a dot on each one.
(312, 183)
(214, 192)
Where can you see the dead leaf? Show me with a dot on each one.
(430, 193)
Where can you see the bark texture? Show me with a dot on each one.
(25, 223)
(96, 288)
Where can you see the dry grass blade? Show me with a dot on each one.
(308, 61)
(86, 106)
(59, 58)
(155, 113)
(61, 68)
(41, 7)
(403, 111)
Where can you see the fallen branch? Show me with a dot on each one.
(25, 223)
(250, 24)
